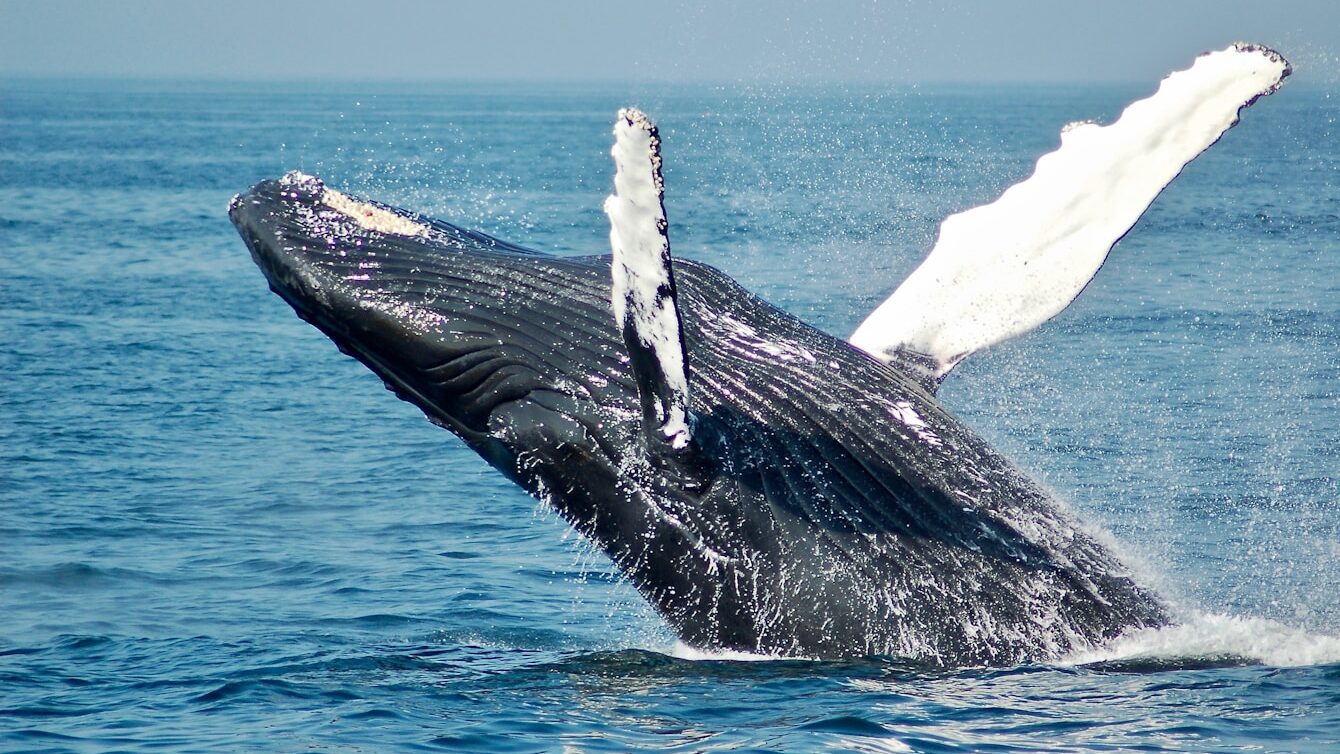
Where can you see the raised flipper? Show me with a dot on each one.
(1004, 268)
(643, 294)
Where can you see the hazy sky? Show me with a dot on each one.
(782, 40)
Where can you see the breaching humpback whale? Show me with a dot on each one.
(768, 487)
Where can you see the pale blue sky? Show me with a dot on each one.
(785, 40)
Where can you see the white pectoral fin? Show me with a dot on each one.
(1004, 268)
(643, 295)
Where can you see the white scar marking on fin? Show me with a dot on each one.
(641, 264)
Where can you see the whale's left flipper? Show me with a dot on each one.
(645, 305)
(1004, 268)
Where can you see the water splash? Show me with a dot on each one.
(682, 651)
(1215, 635)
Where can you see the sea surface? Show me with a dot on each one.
(219, 534)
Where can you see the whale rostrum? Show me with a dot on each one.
(766, 486)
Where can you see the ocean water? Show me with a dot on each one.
(219, 534)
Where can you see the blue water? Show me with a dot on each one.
(219, 534)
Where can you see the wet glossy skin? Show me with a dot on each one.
(830, 506)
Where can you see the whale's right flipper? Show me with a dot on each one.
(1004, 268)
(646, 308)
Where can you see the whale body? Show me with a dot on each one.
(767, 487)
(832, 508)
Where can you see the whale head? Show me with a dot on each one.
(471, 329)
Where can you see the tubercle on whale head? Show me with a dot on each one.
(367, 214)
(295, 183)
(371, 216)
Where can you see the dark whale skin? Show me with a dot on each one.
(830, 506)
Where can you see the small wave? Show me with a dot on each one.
(847, 724)
(459, 555)
(1218, 638)
(75, 575)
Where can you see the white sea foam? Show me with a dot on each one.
(685, 652)
(869, 745)
(1217, 635)
(1207, 635)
